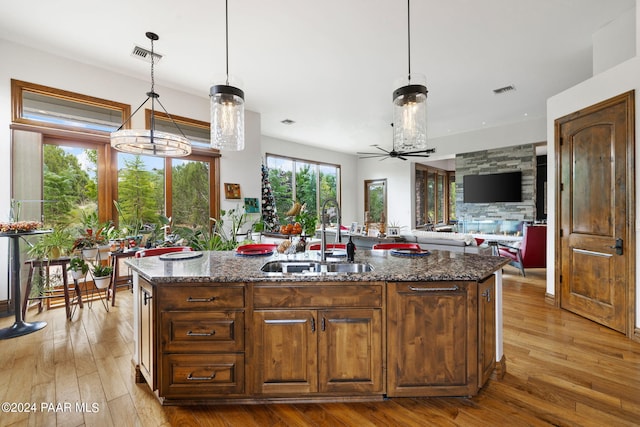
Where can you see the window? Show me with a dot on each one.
(305, 181)
(375, 200)
(83, 174)
(70, 184)
(52, 108)
(434, 203)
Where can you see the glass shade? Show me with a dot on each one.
(150, 143)
(410, 118)
(227, 118)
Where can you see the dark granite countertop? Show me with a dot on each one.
(227, 266)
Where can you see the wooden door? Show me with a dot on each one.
(286, 351)
(350, 351)
(595, 243)
(432, 339)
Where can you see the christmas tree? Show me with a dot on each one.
(269, 213)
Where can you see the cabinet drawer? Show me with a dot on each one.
(213, 331)
(314, 295)
(201, 297)
(202, 375)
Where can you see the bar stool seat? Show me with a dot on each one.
(46, 265)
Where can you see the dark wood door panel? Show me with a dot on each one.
(595, 170)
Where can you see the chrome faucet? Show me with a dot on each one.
(323, 237)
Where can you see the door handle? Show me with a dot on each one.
(618, 246)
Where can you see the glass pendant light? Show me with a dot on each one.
(410, 106)
(151, 142)
(227, 108)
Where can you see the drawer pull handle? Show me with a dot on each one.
(201, 334)
(209, 378)
(210, 299)
(451, 289)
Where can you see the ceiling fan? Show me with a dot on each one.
(397, 154)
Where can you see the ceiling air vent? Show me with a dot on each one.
(144, 54)
(502, 90)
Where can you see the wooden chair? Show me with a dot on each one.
(410, 246)
(316, 246)
(161, 251)
(532, 252)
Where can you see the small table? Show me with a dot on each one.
(19, 327)
(62, 263)
(115, 263)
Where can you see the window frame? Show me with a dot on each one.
(444, 200)
(317, 177)
(107, 173)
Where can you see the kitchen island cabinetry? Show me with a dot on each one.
(440, 341)
(201, 345)
(218, 330)
(328, 339)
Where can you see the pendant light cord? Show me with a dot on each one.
(153, 94)
(409, 36)
(226, 38)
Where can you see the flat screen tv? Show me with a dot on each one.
(495, 187)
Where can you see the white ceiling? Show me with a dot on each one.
(331, 65)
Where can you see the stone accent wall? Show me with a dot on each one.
(519, 158)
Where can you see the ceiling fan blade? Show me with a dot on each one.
(370, 155)
(427, 151)
(400, 157)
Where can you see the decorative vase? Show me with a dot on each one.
(89, 253)
(77, 275)
(102, 282)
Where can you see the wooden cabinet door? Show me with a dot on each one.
(486, 329)
(350, 350)
(286, 348)
(146, 341)
(432, 339)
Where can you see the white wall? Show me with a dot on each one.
(243, 167)
(615, 42)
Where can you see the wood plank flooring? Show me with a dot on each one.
(562, 370)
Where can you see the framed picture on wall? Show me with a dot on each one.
(251, 205)
(354, 227)
(231, 191)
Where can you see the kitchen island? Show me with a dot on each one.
(217, 329)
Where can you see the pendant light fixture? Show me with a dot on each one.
(227, 107)
(151, 142)
(410, 106)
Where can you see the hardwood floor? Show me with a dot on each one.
(561, 370)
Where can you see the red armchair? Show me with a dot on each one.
(532, 252)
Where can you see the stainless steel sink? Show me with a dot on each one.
(314, 267)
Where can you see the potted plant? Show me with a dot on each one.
(307, 220)
(52, 245)
(79, 268)
(102, 275)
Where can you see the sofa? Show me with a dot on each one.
(447, 241)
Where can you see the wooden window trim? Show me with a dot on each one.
(18, 87)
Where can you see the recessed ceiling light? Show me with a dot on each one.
(287, 122)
